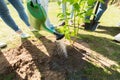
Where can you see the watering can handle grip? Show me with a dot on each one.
(35, 2)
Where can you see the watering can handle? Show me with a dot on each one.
(35, 2)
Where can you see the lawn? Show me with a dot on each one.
(101, 54)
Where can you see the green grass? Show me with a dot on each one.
(7, 77)
(99, 41)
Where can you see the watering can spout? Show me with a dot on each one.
(58, 35)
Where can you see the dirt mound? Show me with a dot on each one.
(40, 61)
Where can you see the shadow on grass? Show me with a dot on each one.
(102, 45)
(7, 71)
(110, 30)
(106, 53)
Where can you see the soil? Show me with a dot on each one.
(34, 60)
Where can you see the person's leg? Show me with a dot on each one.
(87, 21)
(71, 15)
(101, 10)
(72, 12)
(20, 9)
(17, 4)
(5, 15)
(64, 10)
(64, 7)
(44, 3)
(48, 23)
(89, 10)
(64, 13)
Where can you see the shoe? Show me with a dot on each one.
(86, 25)
(118, 25)
(94, 26)
(82, 25)
(117, 37)
(23, 35)
(91, 26)
(34, 30)
(2, 45)
(62, 24)
(52, 28)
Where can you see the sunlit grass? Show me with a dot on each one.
(104, 54)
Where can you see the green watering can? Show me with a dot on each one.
(37, 18)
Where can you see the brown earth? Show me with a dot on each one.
(40, 61)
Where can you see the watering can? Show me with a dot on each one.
(38, 16)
